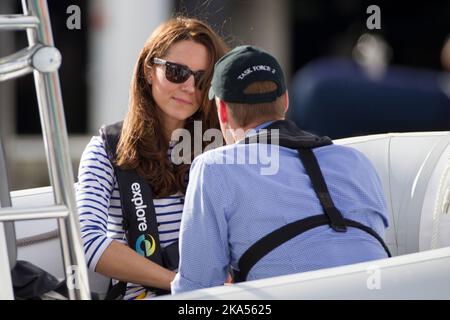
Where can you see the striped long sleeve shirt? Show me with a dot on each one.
(100, 213)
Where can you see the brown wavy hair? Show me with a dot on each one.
(143, 145)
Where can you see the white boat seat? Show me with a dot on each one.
(414, 171)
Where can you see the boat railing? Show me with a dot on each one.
(43, 60)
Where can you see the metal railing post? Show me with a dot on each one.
(57, 152)
(43, 59)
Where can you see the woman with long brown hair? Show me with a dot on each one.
(168, 92)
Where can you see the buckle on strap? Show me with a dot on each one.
(339, 228)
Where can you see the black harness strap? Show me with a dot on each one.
(320, 187)
(271, 241)
(332, 217)
(138, 211)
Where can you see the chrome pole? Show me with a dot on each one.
(6, 289)
(18, 22)
(17, 64)
(7, 250)
(19, 214)
(57, 153)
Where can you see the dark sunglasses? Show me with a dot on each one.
(178, 73)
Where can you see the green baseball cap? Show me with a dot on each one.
(241, 67)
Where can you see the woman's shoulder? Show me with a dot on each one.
(95, 152)
(96, 144)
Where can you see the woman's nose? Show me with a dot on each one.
(189, 84)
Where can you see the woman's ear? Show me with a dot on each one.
(148, 73)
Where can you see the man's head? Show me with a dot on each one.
(249, 87)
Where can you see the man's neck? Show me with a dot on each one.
(240, 133)
(259, 124)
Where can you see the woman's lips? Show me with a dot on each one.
(182, 101)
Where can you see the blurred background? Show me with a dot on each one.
(345, 78)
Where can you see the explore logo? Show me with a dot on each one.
(145, 245)
(139, 206)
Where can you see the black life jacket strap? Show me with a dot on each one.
(271, 241)
(292, 137)
(312, 168)
(336, 220)
(138, 211)
(117, 291)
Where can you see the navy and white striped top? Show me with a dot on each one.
(99, 207)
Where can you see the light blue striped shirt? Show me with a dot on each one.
(228, 207)
(99, 207)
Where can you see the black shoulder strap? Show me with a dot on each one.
(138, 211)
(111, 136)
(320, 187)
(271, 241)
(332, 217)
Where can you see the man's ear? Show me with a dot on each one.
(286, 101)
(222, 110)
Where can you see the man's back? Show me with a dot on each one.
(245, 205)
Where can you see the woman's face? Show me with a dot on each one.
(178, 101)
